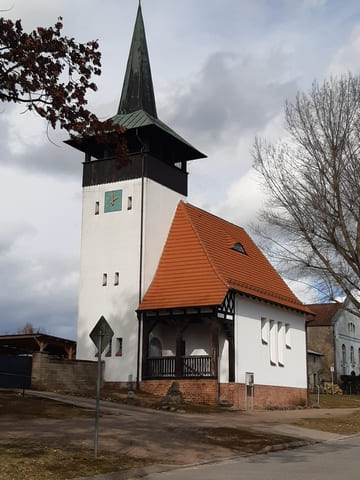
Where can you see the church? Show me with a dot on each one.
(188, 295)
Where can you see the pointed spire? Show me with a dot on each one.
(138, 92)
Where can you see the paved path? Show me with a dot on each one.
(333, 460)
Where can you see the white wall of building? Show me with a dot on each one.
(274, 356)
(110, 243)
(347, 334)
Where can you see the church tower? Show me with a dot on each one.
(127, 211)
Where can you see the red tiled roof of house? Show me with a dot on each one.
(324, 313)
(199, 265)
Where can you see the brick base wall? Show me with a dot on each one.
(49, 373)
(195, 391)
(209, 392)
(116, 386)
(264, 396)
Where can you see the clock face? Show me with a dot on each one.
(113, 201)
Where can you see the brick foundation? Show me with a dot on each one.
(195, 391)
(117, 386)
(265, 396)
(209, 392)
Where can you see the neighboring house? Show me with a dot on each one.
(314, 370)
(335, 332)
(188, 295)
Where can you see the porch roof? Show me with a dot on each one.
(204, 257)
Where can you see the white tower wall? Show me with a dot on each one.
(110, 243)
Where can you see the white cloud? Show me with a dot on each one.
(347, 57)
(221, 73)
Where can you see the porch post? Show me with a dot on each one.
(231, 353)
(145, 349)
(214, 351)
(178, 359)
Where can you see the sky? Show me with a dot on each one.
(222, 71)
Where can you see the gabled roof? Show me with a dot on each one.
(324, 313)
(199, 265)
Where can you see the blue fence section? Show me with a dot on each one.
(15, 371)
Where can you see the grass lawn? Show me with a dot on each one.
(19, 461)
(39, 461)
(341, 424)
(336, 401)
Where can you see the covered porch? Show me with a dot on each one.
(188, 343)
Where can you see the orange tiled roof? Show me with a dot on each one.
(198, 266)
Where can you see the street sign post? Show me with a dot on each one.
(101, 335)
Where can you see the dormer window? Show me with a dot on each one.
(238, 248)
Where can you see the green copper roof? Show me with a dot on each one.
(138, 92)
(141, 118)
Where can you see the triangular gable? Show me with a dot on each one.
(199, 265)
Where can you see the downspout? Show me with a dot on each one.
(140, 316)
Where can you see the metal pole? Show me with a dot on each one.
(98, 396)
(318, 395)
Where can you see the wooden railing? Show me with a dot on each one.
(161, 367)
(191, 366)
(196, 366)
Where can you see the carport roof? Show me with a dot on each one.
(35, 342)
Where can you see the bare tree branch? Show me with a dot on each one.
(313, 181)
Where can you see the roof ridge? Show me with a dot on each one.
(202, 243)
(216, 216)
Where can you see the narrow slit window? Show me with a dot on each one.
(281, 343)
(288, 335)
(97, 208)
(129, 203)
(273, 343)
(116, 279)
(264, 331)
(104, 282)
(238, 248)
(119, 347)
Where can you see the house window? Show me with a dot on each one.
(352, 356)
(351, 328)
(129, 203)
(273, 342)
(264, 330)
(288, 335)
(116, 278)
(238, 248)
(97, 208)
(104, 282)
(343, 356)
(119, 347)
(109, 350)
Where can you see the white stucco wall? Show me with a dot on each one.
(252, 355)
(110, 242)
(349, 338)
